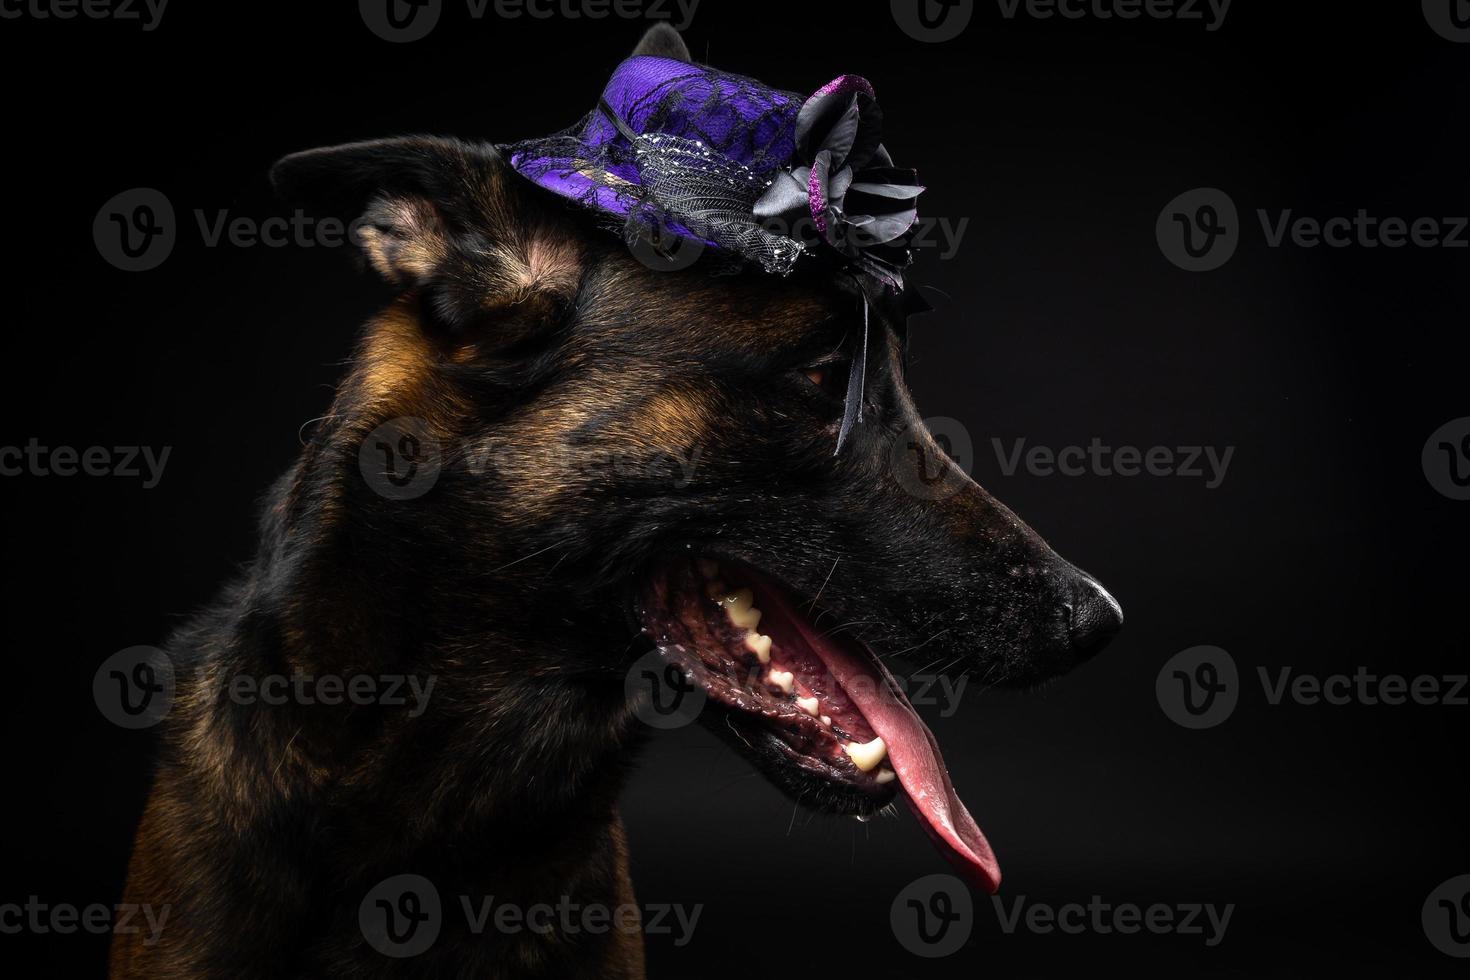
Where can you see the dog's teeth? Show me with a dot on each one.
(747, 619)
(885, 775)
(708, 568)
(760, 645)
(826, 719)
(715, 589)
(740, 607)
(809, 705)
(867, 755)
(783, 679)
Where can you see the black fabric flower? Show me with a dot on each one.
(842, 182)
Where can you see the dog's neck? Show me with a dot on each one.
(433, 753)
(492, 772)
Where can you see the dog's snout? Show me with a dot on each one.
(1095, 616)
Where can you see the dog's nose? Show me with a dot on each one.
(1096, 616)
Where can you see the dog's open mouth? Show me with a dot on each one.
(820, 703)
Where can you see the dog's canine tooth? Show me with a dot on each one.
(810, 705)
(749, 619)
(826, 719)
(783, 679)
(760, 645)
(885, 775)
(866, 755)
(744, 618)
(740, 607)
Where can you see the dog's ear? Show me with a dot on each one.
(448, 219)
(662, 41)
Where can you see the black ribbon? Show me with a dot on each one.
(852, 412)
(622, 127)
(891, 307)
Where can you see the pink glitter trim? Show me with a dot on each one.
(815, 201)
(845, 83)
(841, 85)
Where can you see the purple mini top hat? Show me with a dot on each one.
(755, 174)
(758, 173)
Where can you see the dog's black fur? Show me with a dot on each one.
(526, 331)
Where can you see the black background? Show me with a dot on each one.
(1324, 549)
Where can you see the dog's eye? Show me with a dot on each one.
(830, 377)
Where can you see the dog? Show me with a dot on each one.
(547, 461)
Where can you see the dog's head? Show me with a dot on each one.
(561, 447)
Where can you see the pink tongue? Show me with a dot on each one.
(914, 754)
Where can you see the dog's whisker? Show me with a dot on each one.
(737, 734)
(985, 682)
(816, 598)
(928, 667)
(533, 554)
(843, 626)
(917, 646)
